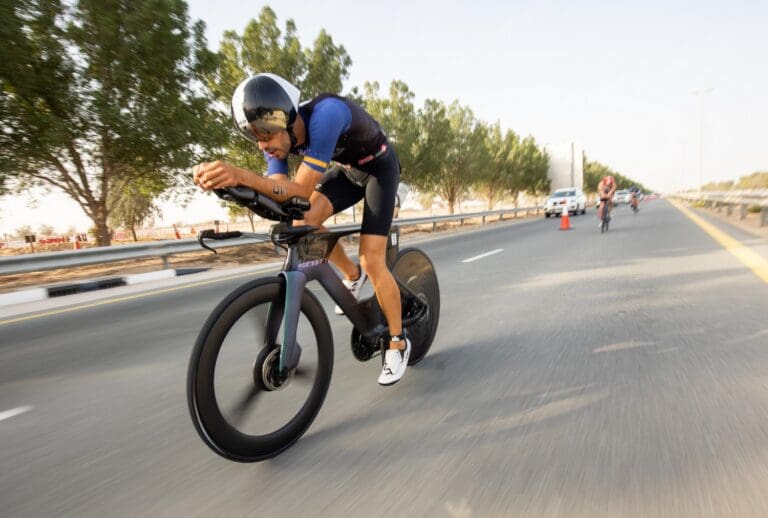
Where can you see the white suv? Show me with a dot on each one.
(571, 197)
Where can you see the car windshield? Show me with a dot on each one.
(563, 194)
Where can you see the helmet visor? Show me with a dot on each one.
(263, 130)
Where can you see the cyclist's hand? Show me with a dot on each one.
(216, 175)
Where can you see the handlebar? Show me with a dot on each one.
(292, 208)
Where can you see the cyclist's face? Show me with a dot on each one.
(277, 144)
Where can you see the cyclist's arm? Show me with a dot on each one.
(218, 174)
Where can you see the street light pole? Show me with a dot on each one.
(700, 94)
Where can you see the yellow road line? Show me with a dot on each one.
(752, 260)
(123, 299)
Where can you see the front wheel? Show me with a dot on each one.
(415, 271)
(243, 407)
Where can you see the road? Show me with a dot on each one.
(573, 374)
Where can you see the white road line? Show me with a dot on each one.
(14, 412)
(482, 255)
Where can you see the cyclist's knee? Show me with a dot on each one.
(373, 263)
(316, 216)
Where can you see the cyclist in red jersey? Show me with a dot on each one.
(605, 190)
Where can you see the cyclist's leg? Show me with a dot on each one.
(335, 193)
(380, 197)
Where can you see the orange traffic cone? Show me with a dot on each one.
(565, 221)
(77, 244)
(176, 232)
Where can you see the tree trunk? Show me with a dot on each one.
(250, 218)
(133, 233)
(102, 232)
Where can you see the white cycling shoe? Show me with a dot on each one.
(354, 288)
(395, 363)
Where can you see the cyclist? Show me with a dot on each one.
(266, 111)
(606, 189)
(635, 197)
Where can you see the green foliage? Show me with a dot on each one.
(397, 116)
(753, 181)
(99, 89)
(450, 151)
(533, 164)
(718, 186)
(132, 202)
(595, 171)
(235, 211)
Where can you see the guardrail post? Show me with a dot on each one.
(166, 264)
(434, 226)
(764, 216)
(743, 211)
(728, 209)
(461, 222)
(483, 219)
(501, 216)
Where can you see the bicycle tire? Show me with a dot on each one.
(208, 418)
(415, 270)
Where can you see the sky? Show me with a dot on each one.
(618, 78)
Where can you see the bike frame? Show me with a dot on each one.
(307, 261)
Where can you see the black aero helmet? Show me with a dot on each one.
(263, 104)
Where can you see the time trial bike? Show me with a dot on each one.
(261, 366)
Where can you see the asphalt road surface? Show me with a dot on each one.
(573, 374)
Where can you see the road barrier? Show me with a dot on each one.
(729, 200)
(165, 249)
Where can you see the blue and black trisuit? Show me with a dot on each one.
(340, 130)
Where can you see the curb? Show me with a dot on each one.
(71, 288)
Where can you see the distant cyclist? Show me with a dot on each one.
(605, 190)
(634, 198)
(266, 111)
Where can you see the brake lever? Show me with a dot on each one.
(219, 236)
(206, 234)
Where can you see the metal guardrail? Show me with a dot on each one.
(164, 249)
(731, 199)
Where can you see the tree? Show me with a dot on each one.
(397, 116)
(450, 149)
(133, 202)
(595, 171)
(500, 175)
(98, 89)
(45, 230)
(263, 47)
(236, 211)
(534, 164)
(24, 230)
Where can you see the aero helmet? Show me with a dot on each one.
(263, 104)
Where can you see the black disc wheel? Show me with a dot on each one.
(415, 271)
(243, 405)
